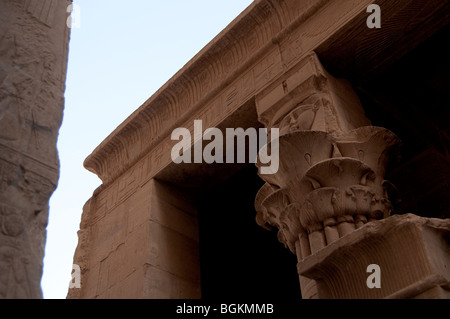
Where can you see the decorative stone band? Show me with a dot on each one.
(327, 186)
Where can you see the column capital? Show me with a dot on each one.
(332, 162)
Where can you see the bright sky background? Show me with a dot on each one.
(122, 53)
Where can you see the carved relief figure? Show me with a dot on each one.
(32, 73)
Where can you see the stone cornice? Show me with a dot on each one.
(263, 26)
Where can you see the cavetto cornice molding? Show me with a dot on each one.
(266, 40)
(263, 25)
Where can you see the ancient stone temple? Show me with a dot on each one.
(33, 59)
(353, 97)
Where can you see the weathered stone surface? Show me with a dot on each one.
(330, 185)
(33, 59)
(411, 251)
(147, 242)
(330, 179)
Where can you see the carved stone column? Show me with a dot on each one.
(332, 162)
(33, 58)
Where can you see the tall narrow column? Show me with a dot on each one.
(332, 162)
(33, 58)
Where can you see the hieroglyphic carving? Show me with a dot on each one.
(268, 68)
(43, 10)
(292, 51)
(204, 78)
(33, 55)
(18, 262)
(208, 89)
(268, 27)
(216, 110)
(225, 103)
(328, 18)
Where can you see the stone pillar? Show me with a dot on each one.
(33, 58)
(138, 241)
(330, 182)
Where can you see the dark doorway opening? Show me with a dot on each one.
(238, 258)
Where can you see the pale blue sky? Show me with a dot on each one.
(122, 53)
